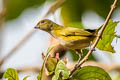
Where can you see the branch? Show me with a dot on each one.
(55, 5)
(97, 38)
(29, 69)
(2, 19)
(4, 10)
(2, 13)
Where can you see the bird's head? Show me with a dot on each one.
(45, 25)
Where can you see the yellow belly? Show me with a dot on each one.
(74, 42)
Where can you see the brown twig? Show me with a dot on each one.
(4, 9)
(97, 38)
(29, 69)
(55, 5)
(2, 13)
(2, 19)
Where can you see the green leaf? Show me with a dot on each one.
(39, 77)
(107, 37)
(11, 74)
(61, 71)
(25, 78)
(51, 64)
(90, 73)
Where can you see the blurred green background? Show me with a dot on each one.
(71, 11)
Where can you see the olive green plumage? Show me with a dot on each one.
(69, 37)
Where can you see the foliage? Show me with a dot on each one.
(107, 38)
(61, 71)
(11, 74)
(90, 73)
(25, 78)
(51, 64)
(39, 77)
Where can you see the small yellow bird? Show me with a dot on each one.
(72, 38)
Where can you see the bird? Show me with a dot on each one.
(70, 37)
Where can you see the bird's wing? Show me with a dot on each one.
(69, 31)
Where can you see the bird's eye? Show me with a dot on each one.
(43, 21)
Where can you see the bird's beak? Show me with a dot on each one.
(36, 27)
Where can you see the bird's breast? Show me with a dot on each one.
(74, 42)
